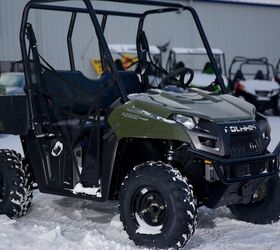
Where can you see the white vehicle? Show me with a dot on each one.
(130, 49)
(254, 80)
(203, 72)
(12, 83)
(128, 58)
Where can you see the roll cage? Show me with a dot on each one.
(242, 61)
(218, 54)
(105, 54)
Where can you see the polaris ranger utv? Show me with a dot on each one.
(161, 152)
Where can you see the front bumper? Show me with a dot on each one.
(268, 166)
(238, 178)
(261, 102)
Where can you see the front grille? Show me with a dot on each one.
(262, 93)
(245, 145)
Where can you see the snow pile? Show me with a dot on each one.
(144, 228)
(58, 223)
(79, 189)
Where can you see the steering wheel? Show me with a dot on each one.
(171, 79)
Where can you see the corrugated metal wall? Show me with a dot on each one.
(242, 30)
(238, 30)
(10, 15)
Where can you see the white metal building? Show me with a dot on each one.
(240, 29)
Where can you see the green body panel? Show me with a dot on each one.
(138, 119)
(147, 115)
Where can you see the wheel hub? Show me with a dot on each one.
(150, 206)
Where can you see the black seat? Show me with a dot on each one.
(72, 91)
(238, 76)
(208, 69)
(259, 75)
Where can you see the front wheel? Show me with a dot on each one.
(262, 210)
(157, 207)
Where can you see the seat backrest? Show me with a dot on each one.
(71, 90)
(238, 76)
(208, 69)
(131, 84)
(259, 75)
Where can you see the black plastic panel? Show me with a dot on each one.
(14, 115)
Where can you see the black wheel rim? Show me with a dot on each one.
(149, 205)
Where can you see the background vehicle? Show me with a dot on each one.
(161, 152)
(198, 60)
(129, 60)
(277, 69)
(130, 49)
(254, 80)
(125, 56)
(12, 83)
(11, 66)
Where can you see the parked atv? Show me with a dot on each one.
(203, 71)
(161, 152)
(255, 85)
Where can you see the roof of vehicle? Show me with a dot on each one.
(141, 2)
(131, 49)
(195, 51)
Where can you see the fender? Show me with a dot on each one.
(134, 120)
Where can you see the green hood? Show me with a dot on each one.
(196, 103)
(146, 114)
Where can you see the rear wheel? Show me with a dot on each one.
(15, 185)
(157, 207)
(265, 208)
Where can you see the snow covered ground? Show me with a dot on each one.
(60, 223)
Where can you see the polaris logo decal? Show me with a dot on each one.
(241, 128)
(253, 146)
(133, 116)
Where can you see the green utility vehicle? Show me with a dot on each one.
(161, 152)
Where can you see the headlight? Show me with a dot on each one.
(275, 92)
(186, 121)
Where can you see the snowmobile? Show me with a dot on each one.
(161, 152)
(204, 74)
(260, 87)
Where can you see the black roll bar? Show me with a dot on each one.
(251, 61)
(69, 40)
(105, 52)
(219, 78)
